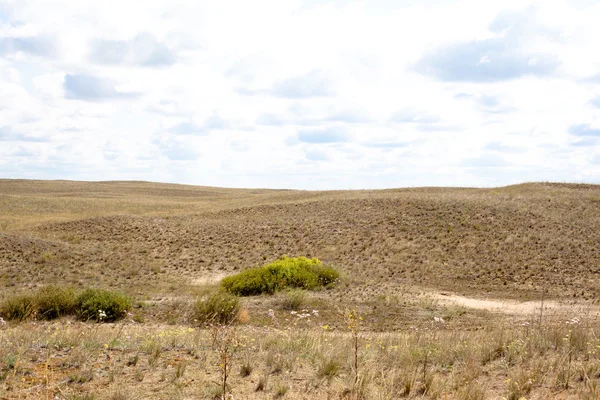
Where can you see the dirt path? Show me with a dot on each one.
(520, 308)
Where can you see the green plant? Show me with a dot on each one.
(102, 305)
(299, 272)
(53, 302)
(81, 376)
(218, 308)
(246, 368)
(18, 307)
(329, 368)
(281, 390)
(48, 303)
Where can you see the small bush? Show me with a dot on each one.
(219, 307)
(54, 302)
(102, 305)
(300, 272)
(48, 302)
(18, 307)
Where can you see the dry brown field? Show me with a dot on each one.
(448, 282)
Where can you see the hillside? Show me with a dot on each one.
(509, 242)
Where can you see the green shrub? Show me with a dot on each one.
(53, 302)
(299, 272)
(18, 307)
(102, 305)
(48, 302)
(219, 307)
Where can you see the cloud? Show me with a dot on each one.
(23, 152)
(584, 130)
(409, 115)
(214, 122)
(87, 87)
(343, 117)
(486, 160)
(268, 119)
(34, 45)
(6, 135)
(327, 135)
(492, 105)
(503, 148)
(349, 117)
(595, 101)
(110, 151)
(316, 155)
(143, 50)
(484, 61)
(493, 59)
(176, 149)
(386, 145)
(313, 84)
(586, 142)
(592, 79)
(187, 128)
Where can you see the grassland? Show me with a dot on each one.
(422, 267)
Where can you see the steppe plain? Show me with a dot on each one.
(462, 293)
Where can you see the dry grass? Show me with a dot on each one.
(156, 361)
(167, 245)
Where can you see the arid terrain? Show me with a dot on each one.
(449, 284)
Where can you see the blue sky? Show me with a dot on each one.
(302, 93)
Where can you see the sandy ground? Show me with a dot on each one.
(551, 307)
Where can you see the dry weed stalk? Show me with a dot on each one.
(353, 321)
(225, 342)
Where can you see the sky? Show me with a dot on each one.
(301, 94)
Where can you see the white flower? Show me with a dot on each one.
(439, 320)
(2, 321)
(315, 313)
(271, 313)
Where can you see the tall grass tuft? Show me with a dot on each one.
(217, 308)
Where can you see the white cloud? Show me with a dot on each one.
(299, 93)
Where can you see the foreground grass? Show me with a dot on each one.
(74, 360)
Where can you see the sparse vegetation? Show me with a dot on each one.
(406, 256)
(286, 272)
